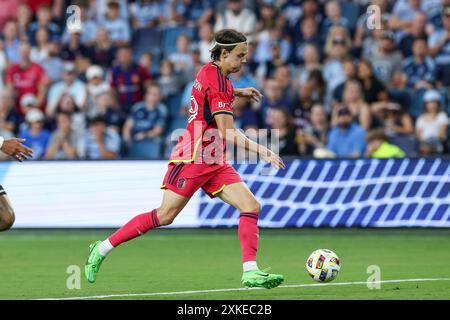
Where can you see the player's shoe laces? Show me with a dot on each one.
(93, 262)
(258, 278)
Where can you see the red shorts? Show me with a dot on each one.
(186, 178)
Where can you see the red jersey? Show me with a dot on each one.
(25, 80)
(212, 94)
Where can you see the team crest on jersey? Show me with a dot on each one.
(193, 110)
(181, 183)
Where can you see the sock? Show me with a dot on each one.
(105, 247)
(248, 235)
(250, 266)
(135, 227)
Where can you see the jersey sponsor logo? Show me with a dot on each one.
(193, 110)
(181, 183)
(223, 105)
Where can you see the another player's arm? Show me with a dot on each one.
(225, 124)
(14, 148)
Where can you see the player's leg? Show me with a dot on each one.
(171, 206)
(239, 196)
(7, 216)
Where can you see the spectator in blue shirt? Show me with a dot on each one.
(420, 69)
(44, 19)
(101, 142)
(348, 139)
(145, 126)
(36, 136)
(439, 43)
(117, 27)
(11, 42)
(243, 79)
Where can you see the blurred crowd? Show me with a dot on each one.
(112, 79)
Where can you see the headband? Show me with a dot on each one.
(226, 44)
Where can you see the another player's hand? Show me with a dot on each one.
(14, 148)
(272, 158)
(250, 93)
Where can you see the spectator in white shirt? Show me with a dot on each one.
(432, 124)
(118, 28)
(237, 17)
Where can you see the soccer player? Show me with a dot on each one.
(12, 147)
(198, 161)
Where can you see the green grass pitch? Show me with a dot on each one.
(34, 264)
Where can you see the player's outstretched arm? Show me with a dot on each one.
(14, 148)
(249, 93)
(225, 124)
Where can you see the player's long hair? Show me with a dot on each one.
(223, 38)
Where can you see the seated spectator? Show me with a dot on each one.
(169, 82)
(374, 90)
(417, 30)
(378, 146)
(118, 28)
(101, 142)
(311, 62)
(347, 139)
(146, 13)
(44, 20)
(128, 79)
(11, 41)
(283, 75)
(272, 98)
(27, 77)
(280, 120)
(36, 136)
(23, 16)
(353, 98)
(40, 52)
(403, 14)
(350, 73)
(9, 12)
(69, 84)
(393, 118)
(266, 69)
(237, 17)
(333, 18)
(96, 85)
(303, 104)
(74, 48)
(144, 128)
(419, 71)
(313, 134)
(439, 44)
(387, 60)
(309, 35)
(432, 125)
(147, 61)
(9, 117)
(244, 117)
(206, 42)
(337, 47)
(104, 107)
(364, 28)
(103, 51)
(192, 12)
(53, 65)
(273, 45)
(182, 59)
(68, 104)
(243, 79)
(27, 102)
(64, 142)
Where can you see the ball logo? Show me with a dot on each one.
(181, 183)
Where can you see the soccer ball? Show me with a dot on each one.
(323, 265)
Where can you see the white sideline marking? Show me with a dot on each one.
(127, 295)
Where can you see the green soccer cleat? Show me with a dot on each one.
(93, 262)
(258, 278)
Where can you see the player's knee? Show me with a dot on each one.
(6, 221)
(166, 216)
(252, 206)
